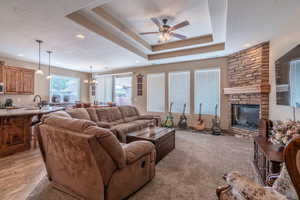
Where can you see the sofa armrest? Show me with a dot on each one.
(146, 117)
(103, 124)
(243, 187)
(135, 150)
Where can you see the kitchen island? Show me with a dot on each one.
(16, 127)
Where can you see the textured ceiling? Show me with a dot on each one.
(236, 22)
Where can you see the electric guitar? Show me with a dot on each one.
(216, 130)
(169, 123)
(200, 126)
(182, 124)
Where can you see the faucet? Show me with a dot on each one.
(40, 100)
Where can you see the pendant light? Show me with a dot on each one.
(49, 66)
(39, 71)
(91, 80)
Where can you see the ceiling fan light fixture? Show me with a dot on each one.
(163, 37)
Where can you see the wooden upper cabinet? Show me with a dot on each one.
(28, 81)
(18, 80)
(12, 79)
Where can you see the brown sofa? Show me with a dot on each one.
(120, 120)
(89, 162)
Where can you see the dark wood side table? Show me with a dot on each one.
(268, 159)
(163, 139)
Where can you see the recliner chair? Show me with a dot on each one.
(89, 162)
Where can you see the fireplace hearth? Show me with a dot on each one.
(245, 116)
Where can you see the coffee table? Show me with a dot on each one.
(162, 138)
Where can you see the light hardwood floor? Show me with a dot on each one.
(20, 173)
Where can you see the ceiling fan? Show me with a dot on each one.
(165, 31)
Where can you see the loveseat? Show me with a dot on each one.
(121, 120)
(89, 162)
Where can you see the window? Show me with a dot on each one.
(294, 83)
(104, 87)
(207, 90)
(64, 89)
(156, 92)
(122, 90)
(179, 91)
(114, 88)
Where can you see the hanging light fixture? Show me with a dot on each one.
(91, 80)
(49, 66)
(39, 71)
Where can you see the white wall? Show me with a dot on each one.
(279, 46)
(41, 85)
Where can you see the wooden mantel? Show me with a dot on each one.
(252, 89)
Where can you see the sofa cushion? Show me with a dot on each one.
(93, 114)
(135, 150)
(77, 125)
(111, 114)
(126, 127)
(104, 124)
(60, 113)
(110, 143)
(143, 123)
(79, 113)
(129, 113)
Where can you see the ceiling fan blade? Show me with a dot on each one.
(180, 25)
(146, 33)
(156, 21)
(182, 37)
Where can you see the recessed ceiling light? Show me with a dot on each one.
(21, 55)
(247, 45)
(80, 36)
(137, 61)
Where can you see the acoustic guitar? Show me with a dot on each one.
(200, 126)
(182, 124)
(169, 123)
(216, 130)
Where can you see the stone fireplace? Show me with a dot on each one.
(248, 78)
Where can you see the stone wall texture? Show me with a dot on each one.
(246, 68)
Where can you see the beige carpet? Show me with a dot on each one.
(192, 171)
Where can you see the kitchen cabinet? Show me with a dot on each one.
(28, 81)
(18, 80)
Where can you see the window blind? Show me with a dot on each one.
(207, 90)
(179, 91)
(156, 92)
(294, 83)
(104, 89)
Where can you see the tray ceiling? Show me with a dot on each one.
(234, 22)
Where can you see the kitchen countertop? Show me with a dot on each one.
(28, 111)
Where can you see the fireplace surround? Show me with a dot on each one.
(248, 88)
(245, 116)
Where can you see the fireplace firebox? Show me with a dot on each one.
(245, 116)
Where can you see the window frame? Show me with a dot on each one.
(218, 69)
(68, 77)
(164, 97)
(188, 108)
(114, 77)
